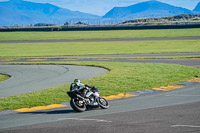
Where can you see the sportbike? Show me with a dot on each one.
(83, 98)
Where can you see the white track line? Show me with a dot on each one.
(79, 119)
(183, 95)
(185, 126)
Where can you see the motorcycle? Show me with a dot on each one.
(83, 98)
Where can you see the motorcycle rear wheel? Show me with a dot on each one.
(74, 103)
(103, 103)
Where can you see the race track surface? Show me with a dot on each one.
(106, 40)
(29, 78)
(169, 119)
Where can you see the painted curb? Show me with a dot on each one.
(52, 106)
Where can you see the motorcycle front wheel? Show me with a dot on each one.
(77, 105)
(103, 103)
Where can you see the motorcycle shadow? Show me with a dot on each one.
(68, 111)
(89, 108)
(59, 111)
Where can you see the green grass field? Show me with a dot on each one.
(92, 48)
(98, 34)
(3, 77)
(123, 77)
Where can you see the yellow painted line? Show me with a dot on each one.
(68, 59)
(119, 96)
(169, 87)
(6, 59)
(195, 80)
(37, 59)
(41, 108)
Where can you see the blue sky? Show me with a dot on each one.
(100, 7)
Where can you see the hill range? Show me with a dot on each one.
(149, 9)
(19, 12)
(24, 13)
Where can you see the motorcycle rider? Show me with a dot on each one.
(77, 85)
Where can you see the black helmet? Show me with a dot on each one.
(77, 81)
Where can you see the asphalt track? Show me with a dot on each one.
(106, 40)
(169, 119)
(174, 111)
(135, 55)
(29, 78)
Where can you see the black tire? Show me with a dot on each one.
(103, 103)
(76, 107)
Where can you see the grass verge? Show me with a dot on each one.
(63, 58)
(94, 48)
(123, 77)
(57, 35)
(3, 77)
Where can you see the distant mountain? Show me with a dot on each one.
(21, 12)
(197, 8)
(147, 9)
